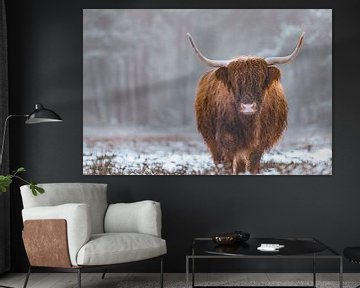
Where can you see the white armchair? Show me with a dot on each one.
(72, 228)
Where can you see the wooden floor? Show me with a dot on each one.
(113, 280)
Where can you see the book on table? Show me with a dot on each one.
(270, 247)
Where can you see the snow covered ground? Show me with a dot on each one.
(151, 153)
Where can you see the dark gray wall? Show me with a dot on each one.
(45, 65)
(4, 166)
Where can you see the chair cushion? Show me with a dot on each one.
(137, 217)
(113, 248)
(92, 194)
(352, 253)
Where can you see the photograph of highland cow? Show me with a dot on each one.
(207, 92)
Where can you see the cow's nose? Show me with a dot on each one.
(248, 108)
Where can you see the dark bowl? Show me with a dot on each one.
(225, 239)
(231, 238)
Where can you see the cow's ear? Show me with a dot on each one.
(274, 74)
(222, 75)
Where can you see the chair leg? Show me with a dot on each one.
(79, 277)
(161, 273)
(103, 275)
(27, 277)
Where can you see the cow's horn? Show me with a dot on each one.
(212, 63)
(286, 59)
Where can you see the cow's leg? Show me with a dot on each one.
(215, 153)
(254, 161)
(239, 166)
(227, 144)
(239, 162)
(228, 162)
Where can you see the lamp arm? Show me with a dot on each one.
(4, 134)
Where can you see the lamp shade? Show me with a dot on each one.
(42, 115)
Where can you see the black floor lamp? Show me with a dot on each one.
(39, 115)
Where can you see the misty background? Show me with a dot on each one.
(140, 71)
(139, 68)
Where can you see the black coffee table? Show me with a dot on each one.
(294, 248)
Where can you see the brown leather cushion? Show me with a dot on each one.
(46, 243)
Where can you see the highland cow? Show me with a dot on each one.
(241, 109)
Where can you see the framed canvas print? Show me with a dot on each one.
(207, 92)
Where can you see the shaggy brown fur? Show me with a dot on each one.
(234, 139)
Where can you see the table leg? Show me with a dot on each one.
(341, 273)
(314, 271)
(193, 272)
(187, 272)
(193, 267)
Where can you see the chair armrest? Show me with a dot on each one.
(138, 217)
(77, 218)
